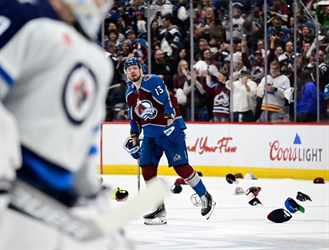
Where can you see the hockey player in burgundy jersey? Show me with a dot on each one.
(153, 109)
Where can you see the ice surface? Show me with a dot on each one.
(234, 223)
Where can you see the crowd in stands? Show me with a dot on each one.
(126, 35)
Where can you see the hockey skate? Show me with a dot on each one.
(157, 217)
(208, 205)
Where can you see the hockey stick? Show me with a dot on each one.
(34, 203)
(138, 176)
(125, 146)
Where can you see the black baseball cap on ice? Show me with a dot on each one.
(279, 215)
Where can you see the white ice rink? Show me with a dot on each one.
(234, 223)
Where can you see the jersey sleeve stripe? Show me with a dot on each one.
(6, 77)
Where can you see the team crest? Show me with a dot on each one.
(145, 110)
(79, 93)
(222, 99)
(147, 77)
(177, 157)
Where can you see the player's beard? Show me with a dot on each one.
(135, 78)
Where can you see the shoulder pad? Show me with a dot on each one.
(147, 77)
(14, 15)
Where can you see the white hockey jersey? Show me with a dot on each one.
(55, 83)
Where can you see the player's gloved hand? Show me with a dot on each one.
(134, 151)
(174, 133)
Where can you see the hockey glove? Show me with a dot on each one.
(134, 151)
(175, 134)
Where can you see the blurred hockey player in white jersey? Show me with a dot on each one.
(53, 81)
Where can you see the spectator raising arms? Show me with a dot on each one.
(244, 97)
(254, 26)
(220, 95)
(200, 100)
(280, 31)
(183, 75)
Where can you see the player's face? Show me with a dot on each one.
(133, 73)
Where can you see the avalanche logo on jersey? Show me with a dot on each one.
(79, 94)
(145, 110)
(222, 99)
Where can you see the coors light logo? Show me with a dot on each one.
(295, 152)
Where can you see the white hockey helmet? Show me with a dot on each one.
(89, 13)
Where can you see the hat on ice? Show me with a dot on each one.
(230, 178)
(279, 215)
(120, 194)
(255, 201)
(302, 197)
(180, 181)
(318, 180)
(254, 190)
(293, 206)
(238, 191)
(238, 176)
(250, 176)
(176, 188)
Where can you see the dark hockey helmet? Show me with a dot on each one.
(131, 61)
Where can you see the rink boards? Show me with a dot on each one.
(284, 150)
